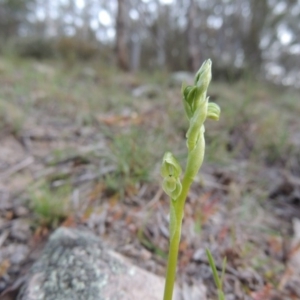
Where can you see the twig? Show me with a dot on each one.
(86, 177)
(17, 167)
(3, 237)
(154, 200)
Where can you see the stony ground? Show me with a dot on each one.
(81, 145)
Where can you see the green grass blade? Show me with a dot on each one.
(214, 269)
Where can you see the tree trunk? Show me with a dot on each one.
(253, 53)
(122, 37)
(135, 52)
(194, 56)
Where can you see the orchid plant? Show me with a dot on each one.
(198, 109)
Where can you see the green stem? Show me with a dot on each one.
(194, 162)
(174, 242)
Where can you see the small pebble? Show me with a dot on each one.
(2, 286)
(20, 230)
(15, 253)
(21, 211)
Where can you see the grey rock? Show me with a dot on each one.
(75, 266)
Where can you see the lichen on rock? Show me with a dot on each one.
(75, 265)
(69, 268)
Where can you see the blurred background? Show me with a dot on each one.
(89, 102)
(239, 36)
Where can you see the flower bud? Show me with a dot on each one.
(187, 105)
(203, 76)
(213, 111)
(171, 171)
(194, 96)
(170, 166)
(172, 187)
